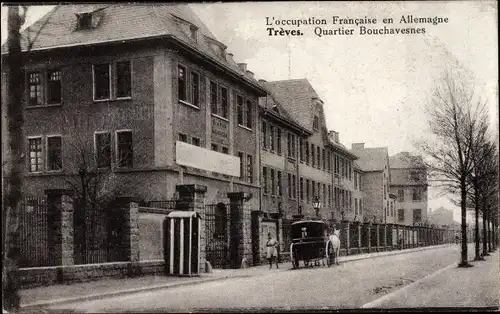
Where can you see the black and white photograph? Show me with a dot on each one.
(267, 156)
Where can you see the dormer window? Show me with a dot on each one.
(84, 21)
(316, 123)
(193, 30)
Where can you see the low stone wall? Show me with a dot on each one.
(42, 276)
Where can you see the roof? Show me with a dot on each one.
(296, 96)
(341, 148)
(124, 22)
(404, 160)
(274, 108)
(371, 159)
(308, 221)
(183, 214)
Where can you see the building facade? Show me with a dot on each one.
(346, 181)
(120, 102)
(409, 184)
(374, 162)
(310, 150)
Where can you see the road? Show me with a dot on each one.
(355, 284)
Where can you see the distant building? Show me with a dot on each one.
(409, 184)
(441, 217)
(374, 162)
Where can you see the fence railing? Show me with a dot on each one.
(36, 237)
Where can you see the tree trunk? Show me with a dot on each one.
(463, 255)
(476, 228)
(485, 231)
(16, 156)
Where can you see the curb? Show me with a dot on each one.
(394, 252)
(124, 292)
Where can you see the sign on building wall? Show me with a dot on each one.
(202, 158)
(220, 131)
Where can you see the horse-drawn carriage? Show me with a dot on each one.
(310, 243)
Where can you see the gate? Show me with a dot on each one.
(100, 235)
(217, 235)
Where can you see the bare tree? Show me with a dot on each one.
(453, 115)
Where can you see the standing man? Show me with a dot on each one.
(272, 250)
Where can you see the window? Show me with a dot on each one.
(54, 159)
(103, 149)
(401, 195)
(355, 206)
(239, 106)
(360, 207)
(84, 21)
(308, 192)
(215, 148)
(35, 151)
(294, 187)
(289, 187)
(224, 102)
(323, 158)
(385, 191)
(301, 149)
(181, 83)
(315, 123)
(307, 152)
(249, 169)
(123, 79)
(248, 114)
(318, 156)
(401, 214)
(264, 180)
(183, 137)
(417, 215)
(195, 89)
(278, 140)
(263, 132)
(417, 195)
(273, 183)
(291, 145)
(414, 175)
(213, 97)
(125, 149)
(35, 89)
(313, 189)
(242, 169)
(355, 181)
(280, 184)
(225, 150)
(195, 141)
(54, 87)
(272, 137)
(192, 32)
(102, 82)
(329, 194)
(324, 194)
(301, 188)
(313, 158)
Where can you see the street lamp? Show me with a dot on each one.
(316, 205)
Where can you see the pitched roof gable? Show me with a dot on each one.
(371, 159)
(296, 96)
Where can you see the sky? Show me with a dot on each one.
(374, 87)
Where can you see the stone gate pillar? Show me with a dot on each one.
(344, 235)
(367, 235)
(60, 208)
(192, 198)
(130, 207)
(240, 245)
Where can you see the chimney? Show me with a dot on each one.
(230, 56)
(250, 73)
(334, 136)
(242, 66)
(358, 145)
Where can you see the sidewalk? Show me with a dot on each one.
(56, 294)
(477, 287)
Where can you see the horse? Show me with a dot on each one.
(335, 240)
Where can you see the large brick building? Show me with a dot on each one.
(119, 86)
(409, 184)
